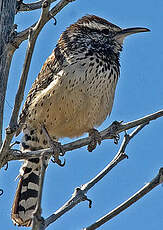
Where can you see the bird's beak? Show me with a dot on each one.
(125, 32)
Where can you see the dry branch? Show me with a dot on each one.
(23, 35)
(7, 14)
(32, 33)
(138, 195)
(109, 133)
(79, 193)
(30, 6)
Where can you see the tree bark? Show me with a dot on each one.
(7, 14)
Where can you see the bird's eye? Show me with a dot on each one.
(105, 31)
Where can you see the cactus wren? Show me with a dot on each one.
(73, 93)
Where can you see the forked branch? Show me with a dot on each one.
(80, 193)
(109, 133)
(31, 33)
(138, 195)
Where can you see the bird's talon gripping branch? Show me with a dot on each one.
(57, 147)
(95, 138)
(58, 162)
(60, 152)
(116, 124)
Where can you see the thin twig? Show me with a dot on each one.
(30, 6)
(138, 195)
(79, 193)
(23, 35)
(33, 34)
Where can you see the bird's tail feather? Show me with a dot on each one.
(26, 196)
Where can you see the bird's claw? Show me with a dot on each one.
(57, 147)
(58, 162)
(95, 138)
(60, 152)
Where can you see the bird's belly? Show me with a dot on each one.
(71, 110)
(72, 114)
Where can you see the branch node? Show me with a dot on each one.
(30, 34)
(18, 4)
(127, 136)
(125, 155)
(11, 129)
(45, 4)
(79, 195)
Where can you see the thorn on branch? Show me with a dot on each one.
(55, 20)
(90, 202)
(1, 192)
(15, 143)
(6, 167)
(125, 155)
(79, 195)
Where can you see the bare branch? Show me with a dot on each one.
(30, 6)
(7, 14)
(34, 32)
(108, 133)
(79, 193)
(24, 34)
(138, 195)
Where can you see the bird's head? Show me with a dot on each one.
(97, 33)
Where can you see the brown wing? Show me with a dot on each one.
(50, 68)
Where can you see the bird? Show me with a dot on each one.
(73, 94)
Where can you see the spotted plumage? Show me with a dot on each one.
(73, 93)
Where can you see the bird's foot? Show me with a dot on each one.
(58, 151)
(56, 147)
(95, 138)
(114, 127)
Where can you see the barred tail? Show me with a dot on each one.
(27, 193)
(26, 196)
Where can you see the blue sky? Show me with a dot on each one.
(139, 92)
